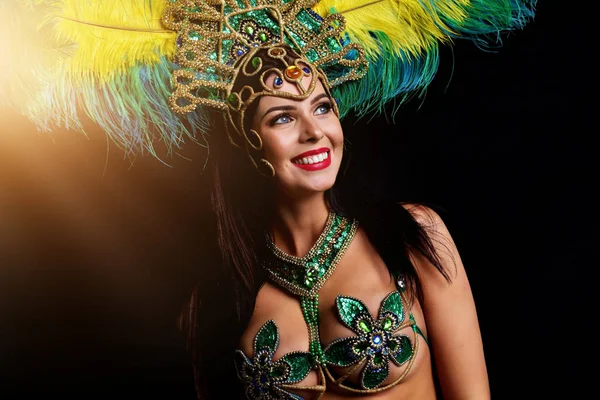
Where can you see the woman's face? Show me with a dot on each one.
(303, 140)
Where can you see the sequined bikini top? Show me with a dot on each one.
(375, 344)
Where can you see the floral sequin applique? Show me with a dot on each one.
(267, 379)
(375, 340)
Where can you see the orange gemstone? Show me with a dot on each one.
(293, 72)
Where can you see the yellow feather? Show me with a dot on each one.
(410, 26)
(111, 35)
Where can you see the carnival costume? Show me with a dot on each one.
(164, 70)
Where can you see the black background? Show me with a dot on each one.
(96, 256)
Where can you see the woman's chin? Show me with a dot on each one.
(318, 184)
(306, 188)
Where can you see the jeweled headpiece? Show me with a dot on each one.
(213, 36)
(227, 50)
(151, 71)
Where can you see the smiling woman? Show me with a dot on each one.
(300, 137)
(314, 287)
(337, 292)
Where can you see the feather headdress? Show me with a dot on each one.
(113, 61)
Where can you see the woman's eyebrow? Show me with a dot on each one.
(319, 97)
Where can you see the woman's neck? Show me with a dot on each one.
(298, 224)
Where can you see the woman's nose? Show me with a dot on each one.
(311, 131)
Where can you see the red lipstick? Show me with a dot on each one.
(316, 165)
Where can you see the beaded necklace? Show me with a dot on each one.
(304, 276)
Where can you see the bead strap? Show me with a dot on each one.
(310, 310)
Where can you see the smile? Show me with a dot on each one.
(313, 160)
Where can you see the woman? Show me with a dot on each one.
(315, 288)
(293, 329)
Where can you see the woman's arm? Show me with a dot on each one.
(450, 315)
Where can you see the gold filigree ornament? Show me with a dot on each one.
(227, 49)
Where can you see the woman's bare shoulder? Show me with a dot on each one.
(441, 240)
(424, 215)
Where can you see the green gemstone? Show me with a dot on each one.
(193, 35)
(263, 37)
(233, 100)
(387, 323)
(256, 61)
(189, 55)
(249, 30)
(364, 326)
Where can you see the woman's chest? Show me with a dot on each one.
(371, 331)
(366, 333)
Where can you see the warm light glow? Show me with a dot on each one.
(71, 190)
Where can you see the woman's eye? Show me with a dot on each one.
(323, 108)
(282, 119)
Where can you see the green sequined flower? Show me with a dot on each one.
(375, 340)
(265, 378)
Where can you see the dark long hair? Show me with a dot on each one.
(222, 303)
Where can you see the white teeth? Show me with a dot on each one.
(313, 159)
